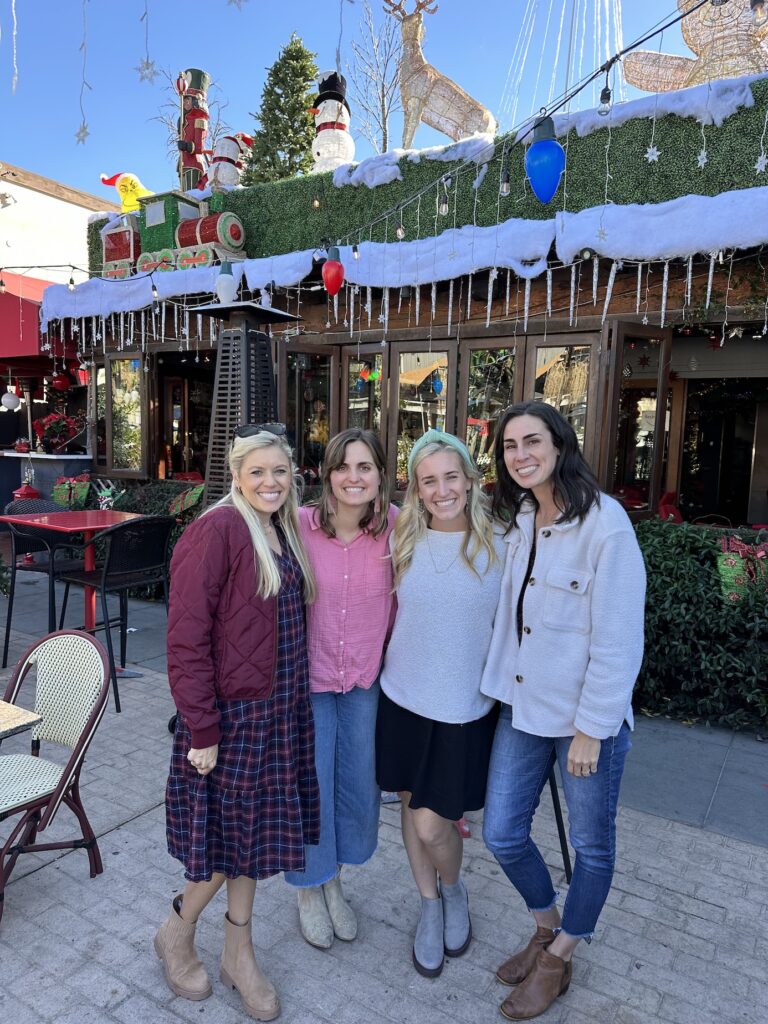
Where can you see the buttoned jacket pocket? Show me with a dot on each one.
(567, 600)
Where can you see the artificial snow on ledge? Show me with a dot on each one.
(678, 228)
(709, 104)
(384, 168)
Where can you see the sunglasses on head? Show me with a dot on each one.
(251, 429)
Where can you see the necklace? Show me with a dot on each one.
(440, 571)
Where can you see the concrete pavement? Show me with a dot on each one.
(683, 939)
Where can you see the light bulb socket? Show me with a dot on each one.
(605, 101)
(334, 254)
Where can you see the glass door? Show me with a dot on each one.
(364, 379)
(561, 370)
(636, 422)
(308, 402)
(422, 397)
(488, 384)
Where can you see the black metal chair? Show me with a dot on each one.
(32, 541)
(135, 555)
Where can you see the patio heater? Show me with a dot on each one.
(244, 384)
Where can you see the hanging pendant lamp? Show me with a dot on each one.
(544, 160)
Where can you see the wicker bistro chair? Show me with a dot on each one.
(29, 541)
(71, 693)
(135, 555)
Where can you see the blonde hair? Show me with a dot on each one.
(411, 525)
(267, 571)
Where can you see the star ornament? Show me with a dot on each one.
(702, 159)
(602, 234)
(82, 134)
(762, 163)
(147, 70)
(652, 155)
(645, 361)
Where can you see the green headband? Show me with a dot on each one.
(438, 435)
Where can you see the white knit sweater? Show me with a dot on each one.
(442, 631)
(583, 615)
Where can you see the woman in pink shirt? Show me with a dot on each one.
(346, 537)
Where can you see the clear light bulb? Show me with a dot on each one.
(759, 12)
(605, 102)
(356, 251)
(400, 232)
(71, 285)
(504, 188)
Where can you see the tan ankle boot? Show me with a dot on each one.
(341, 914)
(315, 921)
(175, 945)
(519, 966)
(549, 978)
(240, 971)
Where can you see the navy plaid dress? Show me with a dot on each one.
(254, 813)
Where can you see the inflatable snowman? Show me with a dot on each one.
(227, 162)
(333, 145)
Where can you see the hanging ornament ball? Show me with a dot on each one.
(10, 401)
(365, 373)
(360, 385)
(544, 161)
(61, 382)
(375, 375)
(333, 272)
(437, 386)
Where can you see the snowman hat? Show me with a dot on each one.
(332, 86)
(114, 179)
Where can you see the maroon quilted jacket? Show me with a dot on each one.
(222, 637)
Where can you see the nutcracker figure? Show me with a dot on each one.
(192, 86)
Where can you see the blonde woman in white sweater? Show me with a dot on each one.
(567, 646)
(435, 729)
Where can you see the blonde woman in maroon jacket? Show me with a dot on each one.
(242, 797)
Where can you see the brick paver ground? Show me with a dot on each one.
(683, 939)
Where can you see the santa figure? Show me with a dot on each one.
(333, 145)
(227, 162)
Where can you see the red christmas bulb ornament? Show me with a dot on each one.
(61, 382)
(333, 272)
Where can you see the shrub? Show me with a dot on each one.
(705, 657)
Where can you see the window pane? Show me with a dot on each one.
(490, 392)
(562, 380)
(421, 401)
(101, 414)
(126, 414)
(308, 384)
(364, 393)
(634, 445)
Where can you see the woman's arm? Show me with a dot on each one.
(616, 639)
(199, 570)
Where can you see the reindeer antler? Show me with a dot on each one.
(424, 5)
(396, 9)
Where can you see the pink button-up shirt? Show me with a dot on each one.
(348, 622)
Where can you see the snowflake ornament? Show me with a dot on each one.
(762, 163)
(382, 318)
(602, 234)
(702, 159)
(82, 134)
(652, 155)
(147, 70)
(645, 319)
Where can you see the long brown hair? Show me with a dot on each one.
(374, 520)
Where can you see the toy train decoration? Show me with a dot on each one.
(171, 231)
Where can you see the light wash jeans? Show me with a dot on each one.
(345, 727)
(519, 769)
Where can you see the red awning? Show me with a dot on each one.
(20, 316)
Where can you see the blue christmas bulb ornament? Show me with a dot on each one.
(544, 160)
(437, 386)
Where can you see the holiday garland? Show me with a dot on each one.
(280, 217)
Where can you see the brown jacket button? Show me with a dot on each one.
(526, 629)
(574, 584)
(519, 679)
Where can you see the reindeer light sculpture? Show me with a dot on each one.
(427, 94)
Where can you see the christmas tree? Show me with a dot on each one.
(282, 145)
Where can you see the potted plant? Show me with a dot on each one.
(22, 444)
(56, 429)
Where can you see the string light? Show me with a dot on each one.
(505, 188)
(605, 100)
(356, 251)
(315, 203)
(400, 230)
(71, 285)
(155, 292)
(2, 284)
(443, 204)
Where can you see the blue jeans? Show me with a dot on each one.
(520, 766)
(345, 726)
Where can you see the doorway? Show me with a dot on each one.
(186, 402)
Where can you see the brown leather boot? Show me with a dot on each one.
(175, 945)
(519, 966)
(549, 978)
(239, 970)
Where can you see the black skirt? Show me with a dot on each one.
(443, 766)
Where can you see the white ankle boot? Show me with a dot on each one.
(316, 926)
(341, 914)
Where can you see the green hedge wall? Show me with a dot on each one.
(279, 217)
(705, 658)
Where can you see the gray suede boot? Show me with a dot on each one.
(457, 925)
(428, 945)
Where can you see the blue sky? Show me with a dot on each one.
(473, 43)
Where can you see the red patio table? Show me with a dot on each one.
(89, 523)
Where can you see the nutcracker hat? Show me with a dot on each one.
(332, 86)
